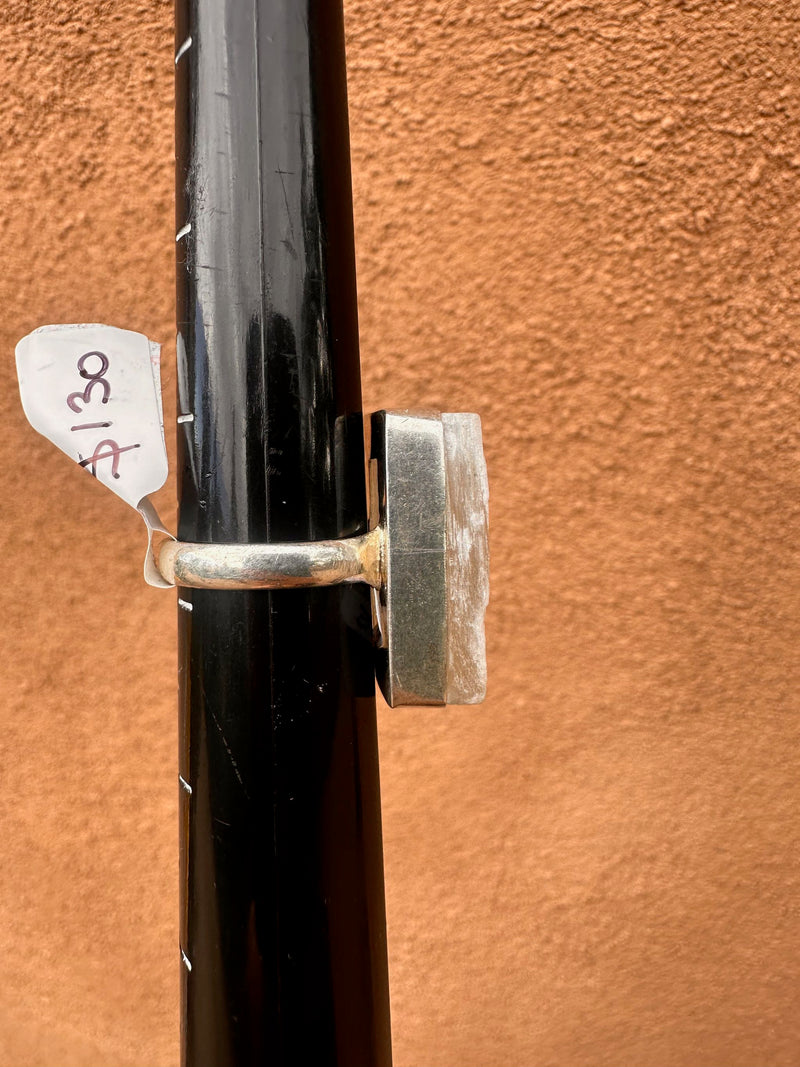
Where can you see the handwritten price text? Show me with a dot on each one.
(97, 384)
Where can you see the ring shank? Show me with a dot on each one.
(272, 566)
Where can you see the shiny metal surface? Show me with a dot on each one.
(430, 498)
(409, 451)
(280, 566)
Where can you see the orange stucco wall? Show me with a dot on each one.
(581, 220)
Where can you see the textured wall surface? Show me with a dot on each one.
(581, 220)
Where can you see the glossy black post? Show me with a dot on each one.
(282, 909)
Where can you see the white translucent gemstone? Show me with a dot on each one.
(467, 557)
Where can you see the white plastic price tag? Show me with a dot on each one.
(95, 392)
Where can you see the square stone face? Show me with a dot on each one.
(466, 557)
(432, 502)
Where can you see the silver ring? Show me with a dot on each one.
(279, 566)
